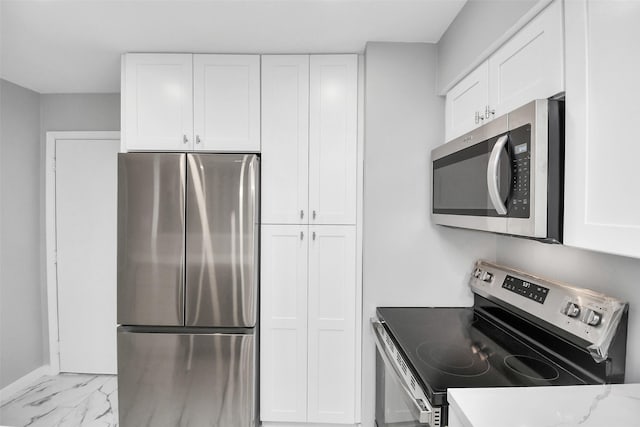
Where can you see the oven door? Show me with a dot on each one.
(400, 402)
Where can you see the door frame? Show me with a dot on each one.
(51, 236)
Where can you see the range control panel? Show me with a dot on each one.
(587, 314)
(529, 290)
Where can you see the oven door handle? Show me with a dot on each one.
(492, 175)
(420, 409)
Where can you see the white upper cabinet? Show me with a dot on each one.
(226, 97)
(333, 125)
(157, 103)
(183, 102)
(530, 65)
(466, 101)
(602, 208)
(285, 139)
(309, 143)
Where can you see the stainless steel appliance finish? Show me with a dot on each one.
(186, 379)
(151, 261)
(222, 245)
(522, 331)
(187, 289)
(582, 315)
(399, 398)
(506, 176)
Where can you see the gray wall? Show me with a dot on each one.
(88, 112)
(21, 311)
(407, 260)
(26, 117)
(614, 275)
(478, 25)
(70, 112)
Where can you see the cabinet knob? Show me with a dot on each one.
(301, 214)
(185, 140)
(197, 139)
(301, 235)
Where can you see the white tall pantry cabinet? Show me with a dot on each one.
(309, 306)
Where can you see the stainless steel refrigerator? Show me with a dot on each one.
(187, 289)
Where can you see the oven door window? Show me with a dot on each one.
(392, 409)
(460, 180)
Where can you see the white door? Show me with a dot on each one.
(332, 320)
(283, 327)
(157, 102)
(285, 139)
(85, 223)
(466, 101)
(530, 65)
(226, 102)
(333, 116)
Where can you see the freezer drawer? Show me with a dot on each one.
(151, 223)
(222, 240)
(180, 380)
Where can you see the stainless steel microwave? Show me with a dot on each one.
(506, 176)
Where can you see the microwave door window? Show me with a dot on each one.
(460, 181)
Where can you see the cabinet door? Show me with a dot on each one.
(157, 103)
(283, 323)
(285, 139)
(467, 98)
(332, 319)
(530, 65)
(227, 102)
(333, 138)
(602, 209)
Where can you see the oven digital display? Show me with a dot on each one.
(532, 291)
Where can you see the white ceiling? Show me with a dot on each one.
(63, 46)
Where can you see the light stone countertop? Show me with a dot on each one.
(607, 405)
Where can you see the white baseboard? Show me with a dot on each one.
(24, 382)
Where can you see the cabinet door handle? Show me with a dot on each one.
(488, 112)
(197, 139)
(185, 140)
(313, 236)
(314, 214)
(301, 235)
(301, 214)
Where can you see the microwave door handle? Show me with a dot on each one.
(492, 175)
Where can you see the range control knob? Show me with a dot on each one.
(572, 310)
(488, 277)
(592, 318)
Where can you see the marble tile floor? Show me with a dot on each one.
(65, 400)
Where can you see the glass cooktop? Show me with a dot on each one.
(458, 347)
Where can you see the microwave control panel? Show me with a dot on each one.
(520, 150)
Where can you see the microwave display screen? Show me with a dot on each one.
(520, 148)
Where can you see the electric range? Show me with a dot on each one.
(522, 331)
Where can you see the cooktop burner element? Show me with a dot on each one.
(531, 367)
(454, 359)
